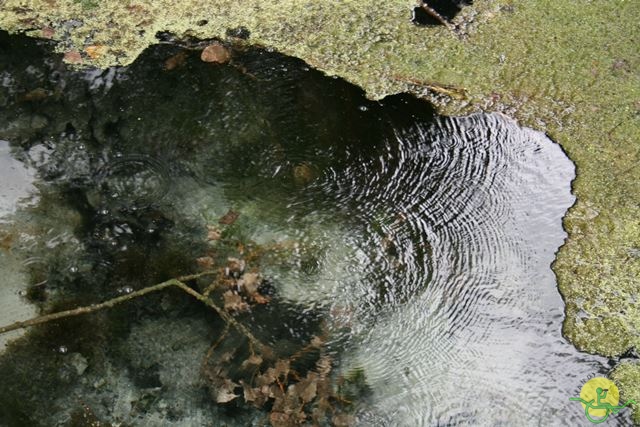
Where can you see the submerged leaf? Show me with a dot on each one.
(225, 392)
(213, 233)
(250, 282)
(235, 267)
(307, 389)
(205, 262)
(343, 420)
(229, 218)
(234, 302)
(253, 360)
(255, 395)
(279, 419)
(175, 61)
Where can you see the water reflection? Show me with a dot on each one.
(422, 243)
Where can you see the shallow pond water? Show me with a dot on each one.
(418, 247)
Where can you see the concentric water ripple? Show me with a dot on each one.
(471, 331)
(423, 242)
(132, 181)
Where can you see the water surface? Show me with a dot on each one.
(420, 244)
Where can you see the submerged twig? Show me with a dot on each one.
(213, 346)
(452, 91)
(225, 316)
(85, 310)
(178, 282)
(435, 15)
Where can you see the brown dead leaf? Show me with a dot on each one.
(37, 94)
(226, 357)
(323, 366)
(260, 299)
(316, 341)
(48, 32)
(235, 267)
(279, 419)
(278, 396)
(266, 379)
(307, 389)
(266, 390)
(215, 53)
(72, 57)
(205, 262)
(253, 360)
(250, 282)
(175, 61)
(303, 174)
(282, 368)
(213, 233)
(95, 51)
(225, 392)
(234, 302)
(255, 396)
(343, 420)
(6, 241)
(229, 218)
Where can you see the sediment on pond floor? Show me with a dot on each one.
(341, 229)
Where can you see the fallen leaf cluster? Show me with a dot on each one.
(289, 397)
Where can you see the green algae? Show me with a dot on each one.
(627, 378)
(571, 69)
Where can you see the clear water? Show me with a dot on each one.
(422, 244)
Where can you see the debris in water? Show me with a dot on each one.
(216, 53)
(229, 218)
(175, 61)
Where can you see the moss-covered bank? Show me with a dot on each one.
(571, 69)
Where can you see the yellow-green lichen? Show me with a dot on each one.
(570, 68)
(627, 378)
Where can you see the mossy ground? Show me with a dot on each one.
(627, 378)
(570, 68)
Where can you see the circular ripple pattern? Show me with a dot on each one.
(467, 327)
(132, 181)
(425, 242)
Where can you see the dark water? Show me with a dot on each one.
(421, 244)
(447, 9)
